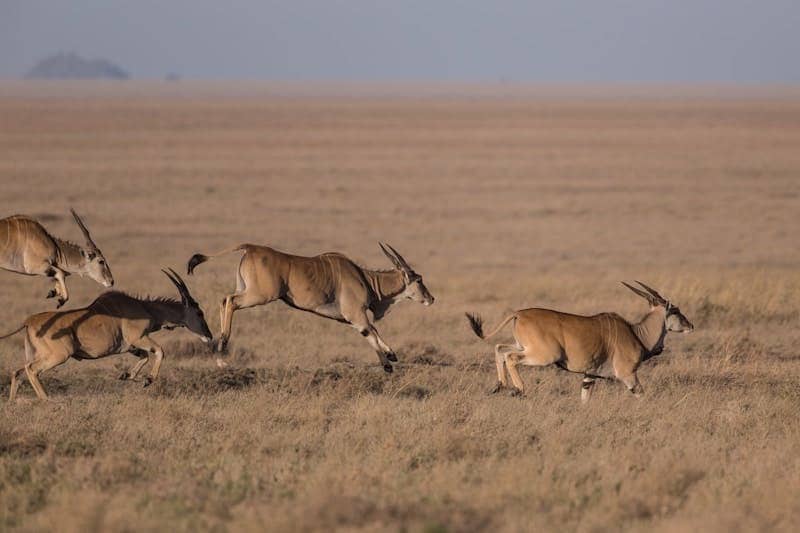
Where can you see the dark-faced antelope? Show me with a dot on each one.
(27, 248)
(599, 346)
(114, 323)
(329, 285)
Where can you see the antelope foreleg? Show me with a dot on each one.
(390, 355)
(135, 369)
(147, 344)
(60, 286)
(369, 332)
(632, 382)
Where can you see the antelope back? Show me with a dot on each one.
(25, 245)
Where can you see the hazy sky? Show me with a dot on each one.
(468, 40)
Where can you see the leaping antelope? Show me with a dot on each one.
(600, 346)
(27, 248)
(329, 285)
(114, 323)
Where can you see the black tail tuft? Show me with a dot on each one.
(197, 259)
(476, 323)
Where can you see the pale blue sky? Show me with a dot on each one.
(453, 40)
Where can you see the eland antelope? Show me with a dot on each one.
(27, 248)
(329, 285)
(114, 323)
(601, 346)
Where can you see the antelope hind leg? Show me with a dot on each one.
(232, 303)
(15, 381)
(500, 352)
(38, 366)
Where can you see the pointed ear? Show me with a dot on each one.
(397, 264)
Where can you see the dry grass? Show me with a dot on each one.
(525, 200)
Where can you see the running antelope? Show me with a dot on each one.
(27, 248)
(114, 323)
(329, 285)
(601, 346)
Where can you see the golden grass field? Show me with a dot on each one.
(503, 198)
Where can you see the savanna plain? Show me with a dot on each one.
(503, 198)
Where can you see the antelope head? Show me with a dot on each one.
(675, 320)
(193, 318)
(95, 266)
(414, 288)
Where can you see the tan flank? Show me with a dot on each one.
(114, 323)
(600, 346)
(329, 285)
(27, 248)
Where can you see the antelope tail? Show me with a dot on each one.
(476, 323)
(23, 326)
(199, 259)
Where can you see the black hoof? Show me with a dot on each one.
(148, 381)
(516, 393)
(60, 303)
(124, 376)
(391, 356)
(388, 368)
(52, 293)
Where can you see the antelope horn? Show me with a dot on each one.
(173, 277)
(183, 284)
(179, 279)
(399, 257)
(84, 229)
(641, 293)
(392, 257)
(653, 292)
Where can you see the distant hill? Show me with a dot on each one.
(71, 66)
